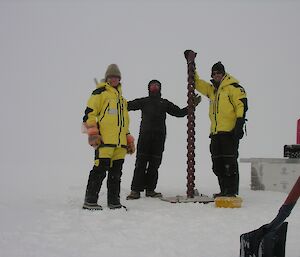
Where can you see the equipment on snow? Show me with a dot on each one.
(192, 194)
(293, 151)
(269, 239)
(190, 57)
(228, 202)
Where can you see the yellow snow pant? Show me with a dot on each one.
(112, 153)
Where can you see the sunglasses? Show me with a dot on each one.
(216, 73)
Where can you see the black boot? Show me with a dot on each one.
(153, 194)
(113, 185)
(96, 177)
(231, 186)
(92, 206)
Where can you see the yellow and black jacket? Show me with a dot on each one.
(107, 109)
(227, 102)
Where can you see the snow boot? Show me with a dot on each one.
(92, 206)
(116, 205)
(133, 195)
(218, 195)
(150, 193)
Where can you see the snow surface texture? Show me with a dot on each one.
(50, 53)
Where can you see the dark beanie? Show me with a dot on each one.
(154, 81)
(154, 93)
(218, 67)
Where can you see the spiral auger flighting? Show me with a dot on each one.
(190, 57)
(192, 195)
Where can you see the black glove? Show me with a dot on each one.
(190, 55)
(238, 130)
(197, 99)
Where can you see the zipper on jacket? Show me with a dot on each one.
(216, 109)
(121, 113)
(119, 120)
(217, 104)
(118, 113)
(123, 119)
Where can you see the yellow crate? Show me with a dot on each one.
(228, 202)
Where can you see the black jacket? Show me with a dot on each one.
(154, 110)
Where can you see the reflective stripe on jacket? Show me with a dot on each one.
(107, 108)
(227, 102)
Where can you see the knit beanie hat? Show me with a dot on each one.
(112, 70)
(218, 67)
(154, 81)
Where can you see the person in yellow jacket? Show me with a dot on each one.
(227, 112)
(106, 122)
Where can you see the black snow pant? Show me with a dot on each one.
(150, 149)
(96, 177)
(224, 154)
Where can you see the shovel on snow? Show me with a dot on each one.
(269, 239)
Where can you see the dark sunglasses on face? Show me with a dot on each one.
(216, 73)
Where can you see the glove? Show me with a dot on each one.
(94, 140)
(94, 137)
(197, 99)
(190, 55)
(238, 130)
(130, 144)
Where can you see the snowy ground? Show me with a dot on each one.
(55, 225)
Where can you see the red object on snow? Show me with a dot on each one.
(298, 132)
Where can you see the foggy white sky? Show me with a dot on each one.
(52, 50)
